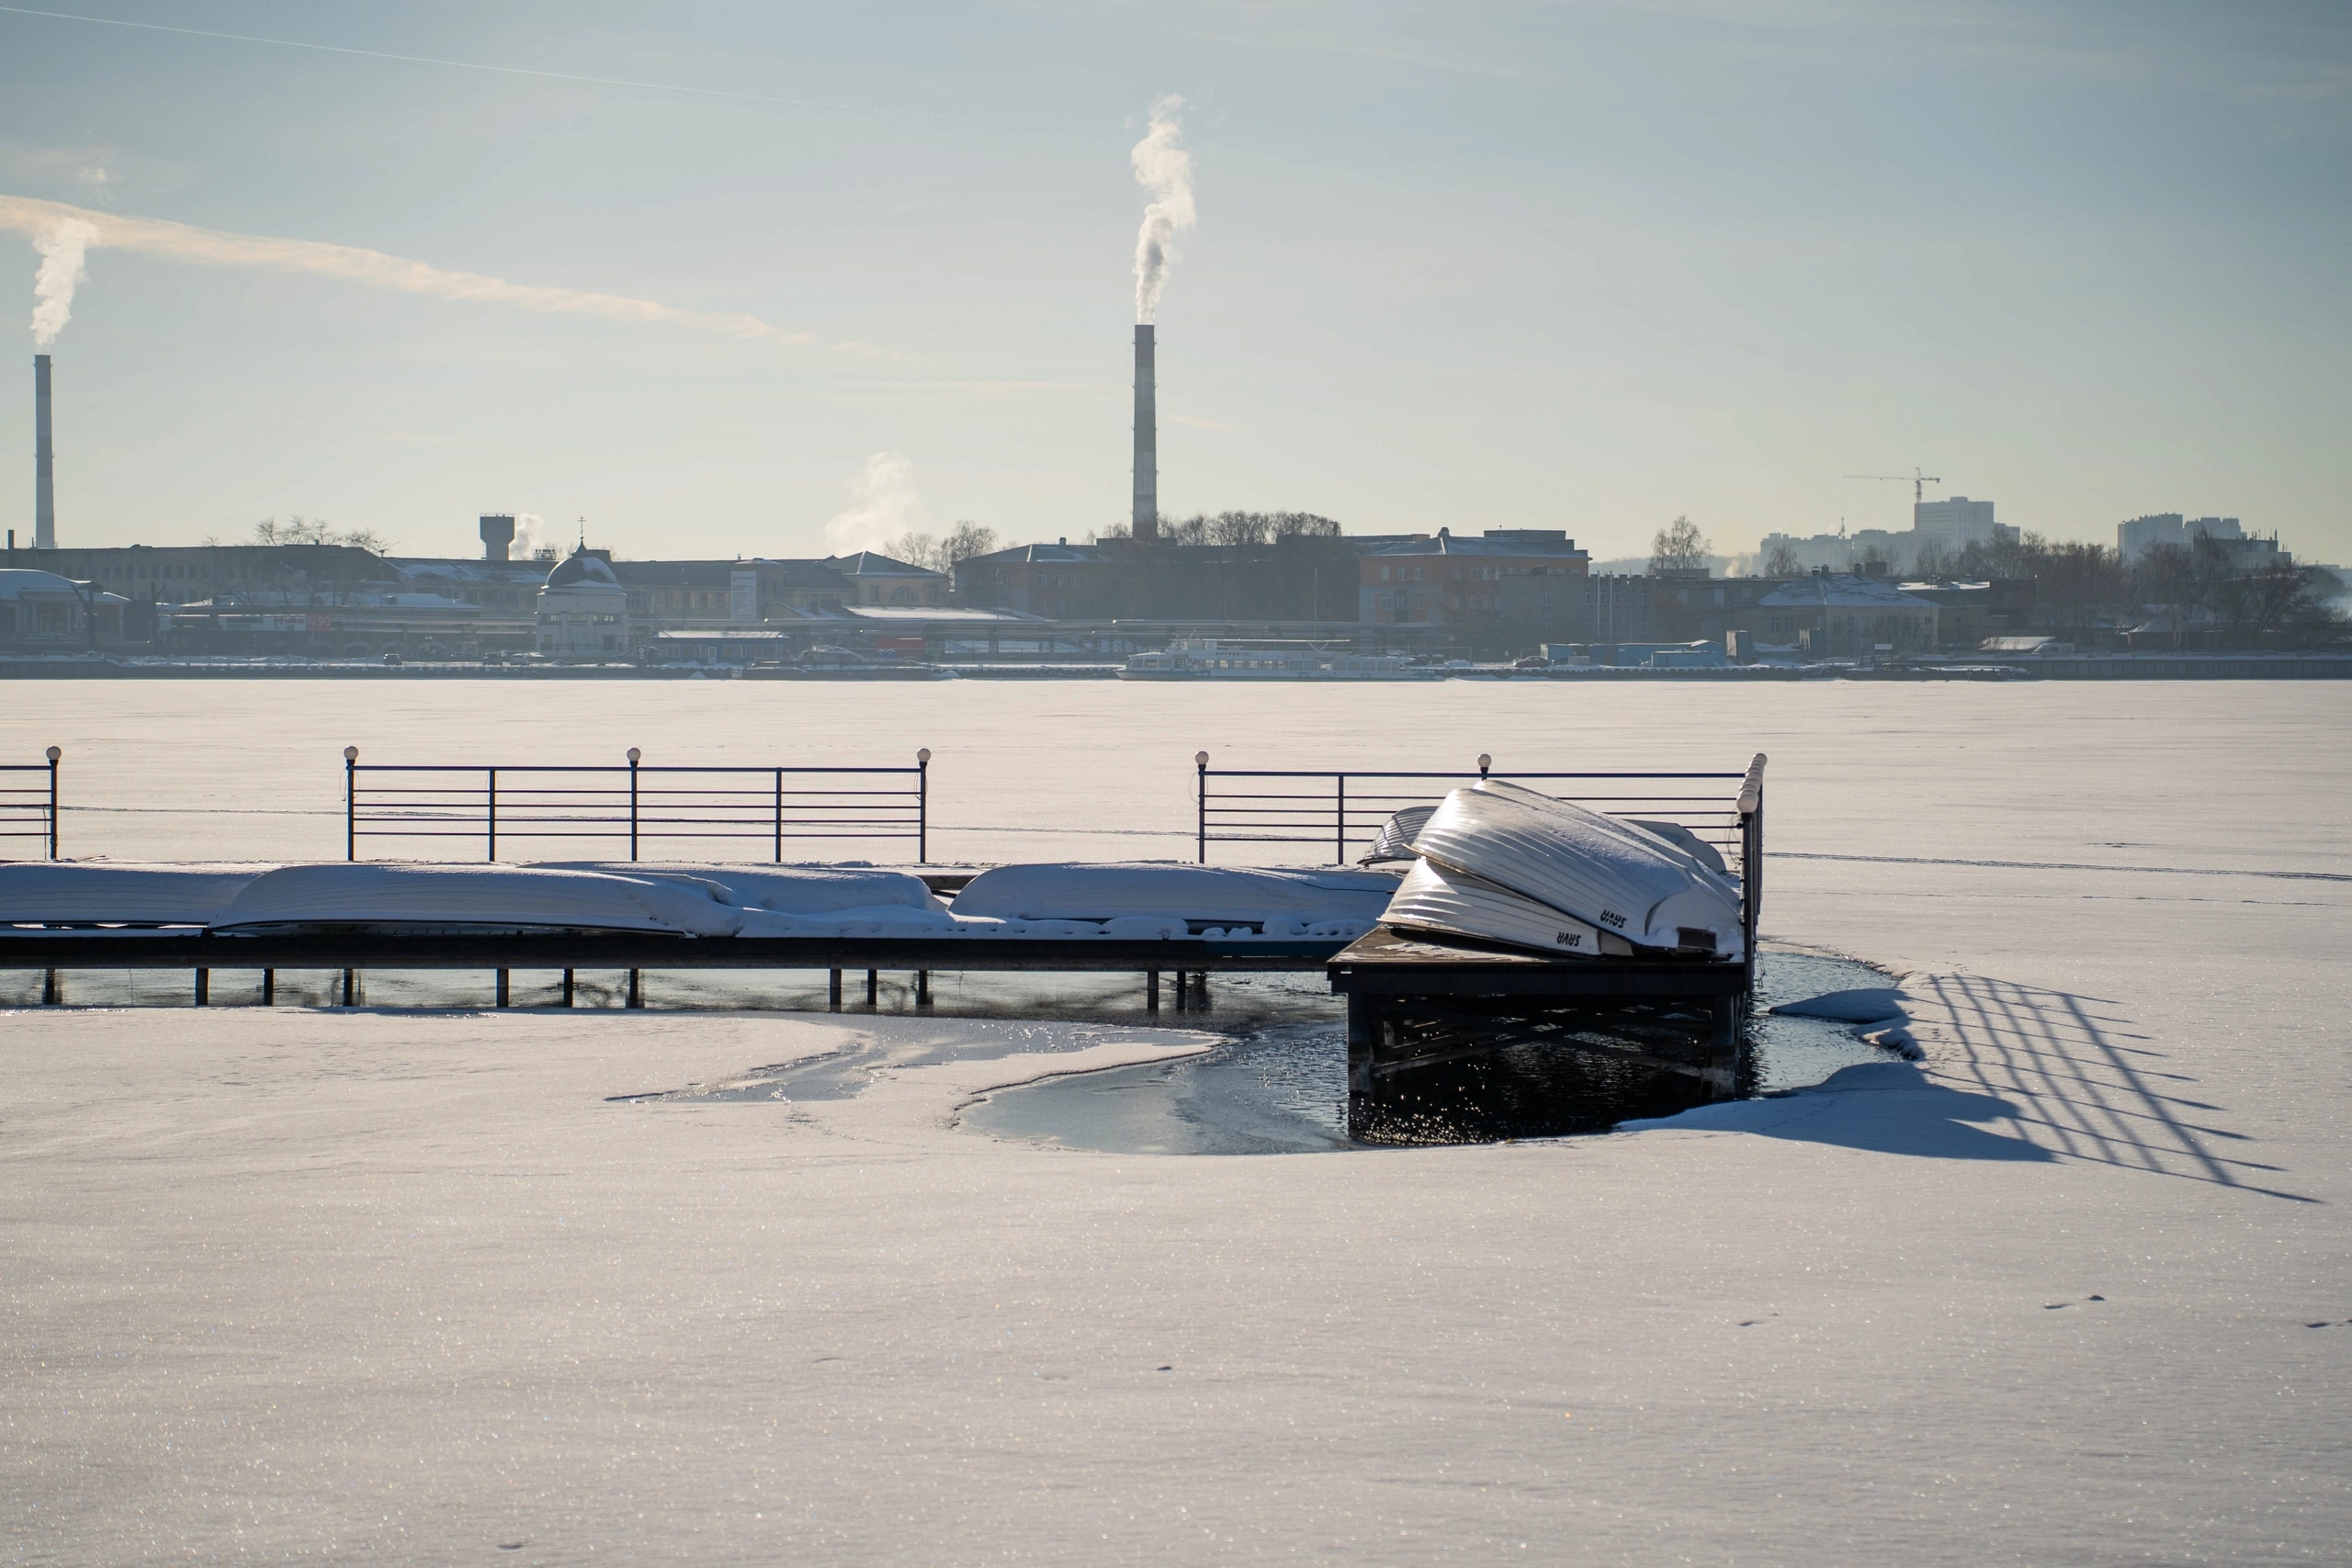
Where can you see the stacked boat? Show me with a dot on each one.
(1498, 862)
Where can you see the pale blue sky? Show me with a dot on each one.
(1566, 266)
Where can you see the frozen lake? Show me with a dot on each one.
(383, 1286)
(181, 770)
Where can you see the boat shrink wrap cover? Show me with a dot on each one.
(33, 892)
(1217, 895)
(496, 896)
(784, 889)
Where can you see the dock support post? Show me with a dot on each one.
(1721, 1073)
(874, 987)
(923, 987)
(636, 988)
(567, 988)
(833, 991)
(504, 989)
(203, 987)
(49, 995)
(1183, 978)
(1151, 990)
(351, 987)
(269, 987)
(1364, 1035)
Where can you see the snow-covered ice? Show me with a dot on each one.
(2076, 1287)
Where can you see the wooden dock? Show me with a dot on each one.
(201, 951)
(1414, 1004)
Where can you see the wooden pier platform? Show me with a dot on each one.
(200, 952)
(1413, 1004)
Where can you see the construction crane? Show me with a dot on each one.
(1914, 479)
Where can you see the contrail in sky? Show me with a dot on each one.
(430, 60)
(1166, 170)
(46, 221)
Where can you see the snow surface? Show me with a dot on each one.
(2075, 1288)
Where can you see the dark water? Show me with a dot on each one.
(1278, 1085)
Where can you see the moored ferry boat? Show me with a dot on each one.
(1210, 660)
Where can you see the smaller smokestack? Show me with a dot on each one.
(497, 537)
(44, 462)
(1145, 523)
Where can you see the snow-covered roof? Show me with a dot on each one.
(1516, 543)
(17, 581)
(1841, 592)
(532, 572)
(1063, 554)
(874, 563)
(582, 569)
(917, 612)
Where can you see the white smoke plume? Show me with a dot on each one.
(530, 533)
(1165, 169)
(887, 507)
(371, 269)
(61, 246)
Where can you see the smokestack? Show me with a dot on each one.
(497, 537)
(1146, 522)
(44, 462)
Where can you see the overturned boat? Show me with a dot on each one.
(1500, 862)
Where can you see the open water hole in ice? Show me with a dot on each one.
(1277, 1084)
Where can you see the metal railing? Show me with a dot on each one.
(1287, 806)
(29, 808)
(634, 801)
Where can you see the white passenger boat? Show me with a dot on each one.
(1631, 885)
(1213, 659)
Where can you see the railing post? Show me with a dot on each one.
(1201, 767)
(633, 755)
(54, 753)
(1341, 835)
(779, 816)
(1751, 857)
(493, 812)
(351, 803)
(922, 805)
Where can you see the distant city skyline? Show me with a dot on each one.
(784, 283)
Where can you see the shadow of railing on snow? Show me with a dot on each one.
(2072, 1089)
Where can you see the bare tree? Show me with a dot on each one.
(1679, 548)
(915, 549)
(963, 541)
(1781, 560)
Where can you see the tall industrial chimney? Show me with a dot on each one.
(497, 537)
(44, 462)
(1146, 528)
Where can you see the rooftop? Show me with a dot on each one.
(874, 563)
(1516, 542)
(1840, 591)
